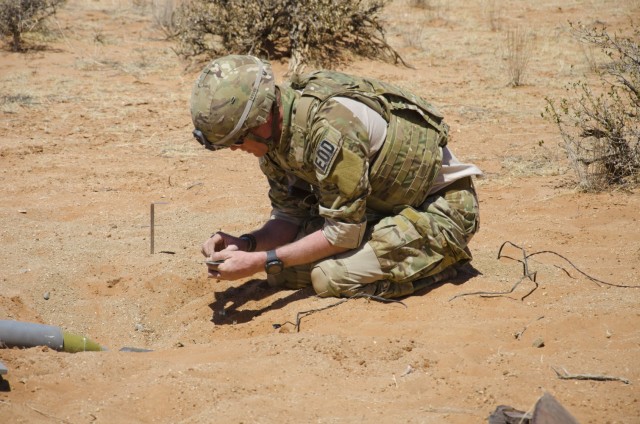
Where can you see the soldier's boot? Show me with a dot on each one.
(446, 274)
(381, 288)
(388, 290)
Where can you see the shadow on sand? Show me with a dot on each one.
(225, 305)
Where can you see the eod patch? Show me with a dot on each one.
(325, 155)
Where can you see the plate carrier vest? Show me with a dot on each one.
(408, 162)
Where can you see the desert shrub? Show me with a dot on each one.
(322, 33)
(21, 16)
(600, 126)
(519, 47)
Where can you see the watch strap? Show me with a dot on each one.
(271, 256)
(273, 264)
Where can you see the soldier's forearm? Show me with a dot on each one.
(308, 249)
(274, 233)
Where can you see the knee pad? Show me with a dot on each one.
(346, 274)
(321, 282)
(329, 279)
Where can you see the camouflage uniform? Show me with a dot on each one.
(323, 175)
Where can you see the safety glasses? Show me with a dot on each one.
(202, 139)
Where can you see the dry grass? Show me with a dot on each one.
(164, 12)
(414, 36)
(11, 103)
(591, 57)
(493, 14)
(540, 160)
(518, 50)
(434, 9)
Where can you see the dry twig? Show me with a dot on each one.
(46, 415)
(532, 275)
(303, 314)
(596, 377)
(519, 334)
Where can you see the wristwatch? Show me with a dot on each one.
(273, 264)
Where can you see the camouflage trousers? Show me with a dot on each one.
(416, 243)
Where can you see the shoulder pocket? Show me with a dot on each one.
(326, 152)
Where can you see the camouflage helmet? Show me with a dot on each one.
(232, 95)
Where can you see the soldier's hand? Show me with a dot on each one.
(217, 242)
(237, 264)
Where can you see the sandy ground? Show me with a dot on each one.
(96, 127)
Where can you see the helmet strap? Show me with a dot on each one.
(247, 108)
(275, 120)
(275, 127)
(262, 140)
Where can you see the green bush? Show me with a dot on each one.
(322, 33)
(20, 16)
(600, 126)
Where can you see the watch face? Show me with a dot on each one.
(274, 267)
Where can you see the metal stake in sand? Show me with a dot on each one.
(152, 224)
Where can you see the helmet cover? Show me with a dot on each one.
(232, 95)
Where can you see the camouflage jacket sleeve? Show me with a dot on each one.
(339, 152)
